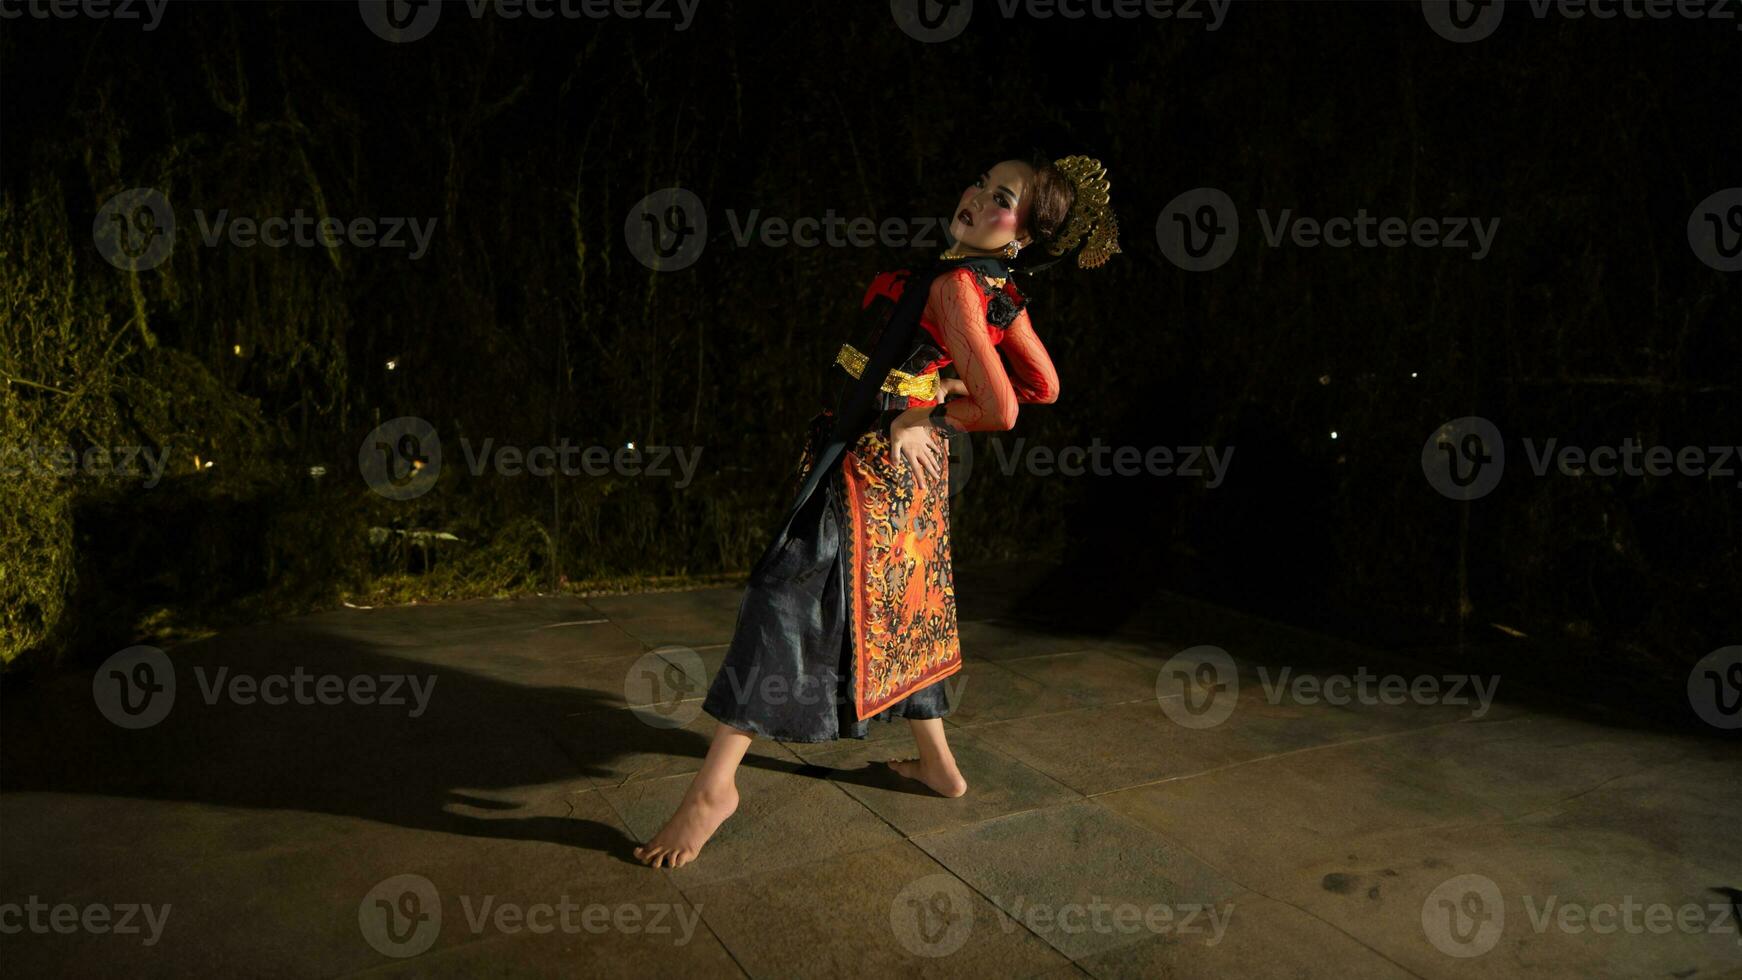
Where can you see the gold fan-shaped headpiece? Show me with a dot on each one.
(1091, 216)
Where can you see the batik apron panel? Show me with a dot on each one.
(895, 559)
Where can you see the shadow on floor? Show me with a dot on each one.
(477, 739)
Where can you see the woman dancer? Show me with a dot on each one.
(850, 613)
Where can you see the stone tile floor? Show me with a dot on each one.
(1116, 826)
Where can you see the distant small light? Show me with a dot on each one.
(1414, 375)
(237, 350)
(317, 471)
(1324, 379)
(1333, 433)
(211, 463)
(392, 363)
(629, 446)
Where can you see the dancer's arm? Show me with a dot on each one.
(990, 402)
(1032, 375)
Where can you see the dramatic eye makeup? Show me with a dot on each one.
(1005, 197)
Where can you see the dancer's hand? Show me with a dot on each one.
(918, 446)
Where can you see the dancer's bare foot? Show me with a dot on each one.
(698, 816)
(942, 775)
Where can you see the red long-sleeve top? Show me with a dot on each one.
(955, 316)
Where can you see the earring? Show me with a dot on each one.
(1011, 248)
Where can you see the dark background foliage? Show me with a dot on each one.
(530, 322)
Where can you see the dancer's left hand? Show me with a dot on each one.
(917, 445)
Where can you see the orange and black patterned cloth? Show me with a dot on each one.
(850, 614)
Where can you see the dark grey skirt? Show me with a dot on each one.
(789, 672)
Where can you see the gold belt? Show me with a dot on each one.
(921, 386)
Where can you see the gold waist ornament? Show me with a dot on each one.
(921, 386)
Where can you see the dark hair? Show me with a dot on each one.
(1050, 200)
